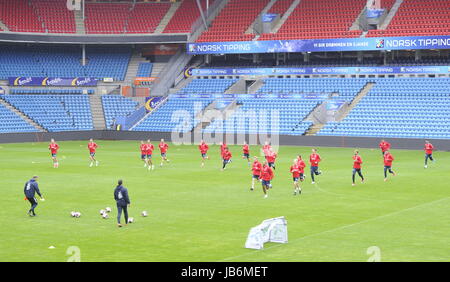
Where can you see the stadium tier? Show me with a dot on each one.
(55, 112)
(117, 106)
(11, 122)
(417, 18)
(399, 107)
(55, 61)
(228, 27)
(50, 91)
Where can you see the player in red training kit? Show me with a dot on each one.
(246, 152)
(222, 149)
(149, 154)
(271, 158)
(384, 146)
(203, 147)
(357, 161)
(266, 176)
(143, 148)
(226, 157)
(388, 159)
(92, 146)
(53, 147)
(428, 152)
(301, 164)
(297, 176)
(163, 147)
(256, 171)
(314, 160)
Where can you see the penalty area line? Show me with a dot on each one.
(339, 228)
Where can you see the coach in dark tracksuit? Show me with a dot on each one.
(30, 189)
(123, 202)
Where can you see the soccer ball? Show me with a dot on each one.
(72, 214)
(105, 215)
(130, 220)
(144, 213)
(102, 211)
(108, 209)
(77, 214)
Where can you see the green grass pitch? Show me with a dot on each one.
(203, 214)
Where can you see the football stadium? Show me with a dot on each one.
(228, 131)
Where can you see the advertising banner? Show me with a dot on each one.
(321, 45)
(322, 70)
(152, 102)
(52, 81)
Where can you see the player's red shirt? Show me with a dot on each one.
(295, 170)
(163, 147)
(301, 165)
(271, 157)
(357, 161)
(92, 146)
(203, 147)
(314, 159)
(256, 168)
(384, 146)
(53, 148)
(143, 149)
(227, 155)
(266, 173)
(222, 148)
(149, 148)
(428, 149)
(388, 159)
(246, 149)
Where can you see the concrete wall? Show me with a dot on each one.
(286, 140)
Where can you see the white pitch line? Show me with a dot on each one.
(339, 228)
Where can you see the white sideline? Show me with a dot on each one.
(338, 228)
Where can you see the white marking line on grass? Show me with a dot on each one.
(339, 228)
(343, 195)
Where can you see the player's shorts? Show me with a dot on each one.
(387, 167)
(428, 155)
(53, 155)
(149, 156)
(226, 161)
(314, 169)
(143, 156)
(355, 170)
(266, 183)
(92, 154)
(204, 155)
(255, 176)
(271, 164)
(246, 156)
(163, 155)
(295, 179)
(302, 177)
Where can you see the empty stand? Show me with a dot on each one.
(55, 61)
(20, 16)
(145, 17)
(55, 16)
(418, 18)
(117, 106)
(11, 122)
(184, 17)
(144, 69)
(399, 107)
(234, 19)
(315, 19)
(55, 112)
